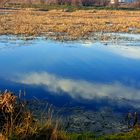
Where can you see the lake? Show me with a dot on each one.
(90, 74)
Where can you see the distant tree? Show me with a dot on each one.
(3, 2)
(66, 2)
(51, 1)
(101, 2)
(76, 2)
(79, 2)
(116, 3)
(42, 1)
(88, 2)
(105, 2)
(30, 2)
(138, 3)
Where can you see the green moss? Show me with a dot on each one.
(82, 136)
(133, 135)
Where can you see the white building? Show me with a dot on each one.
(122, 1)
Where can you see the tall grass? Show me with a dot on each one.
(18, 122)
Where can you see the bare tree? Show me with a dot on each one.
(67, 2)
(138, 3)
(88, 2)
(3, 3)
(116, 3)
(42, 1)
(59, 2)
(105, 2)
(80, 2)
(76, 2)
(30, 2)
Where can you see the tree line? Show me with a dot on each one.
(136, 3)
(78, 2)
(64, 2)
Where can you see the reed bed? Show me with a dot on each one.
(17, 121)
(75, 25)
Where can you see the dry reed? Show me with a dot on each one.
(75, 25)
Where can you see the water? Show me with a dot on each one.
(82, 73)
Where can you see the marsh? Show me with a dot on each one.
(72, 72)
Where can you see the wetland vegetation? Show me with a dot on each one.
(69, 25)
(87, 65)
(19, 122)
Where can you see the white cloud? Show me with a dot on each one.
(79, 88)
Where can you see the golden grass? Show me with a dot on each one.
(18, 122)
(73, 24)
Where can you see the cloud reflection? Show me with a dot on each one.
(131, 52)
(79, 88)
(87, 44)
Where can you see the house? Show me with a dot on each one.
(121, 1)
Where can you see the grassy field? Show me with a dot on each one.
(71, 25)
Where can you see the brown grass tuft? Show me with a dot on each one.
(18, 122)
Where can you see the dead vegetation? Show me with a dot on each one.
(18, 122)
(75, 25)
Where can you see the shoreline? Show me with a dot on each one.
(93, 37)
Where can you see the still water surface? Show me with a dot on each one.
(85, 73)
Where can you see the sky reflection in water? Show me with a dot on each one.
(79, 70)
